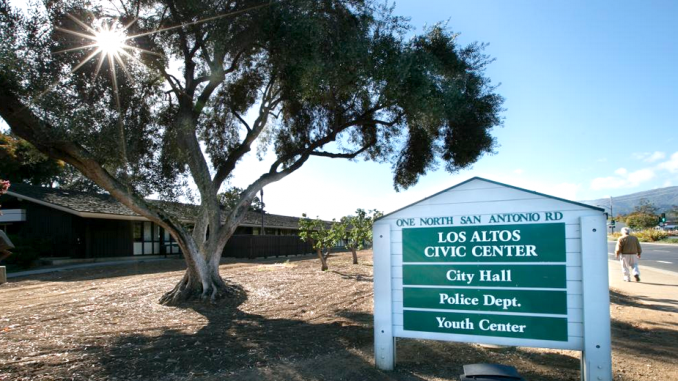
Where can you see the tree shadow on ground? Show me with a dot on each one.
(356, 277)
(644, 302)
(239, 345)
(656, 343)
(446, 360)
(234, 342)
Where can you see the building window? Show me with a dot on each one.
(150, 238)
(171, 246)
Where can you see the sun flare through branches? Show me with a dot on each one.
(108, 42)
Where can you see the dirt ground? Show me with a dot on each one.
(289, 321)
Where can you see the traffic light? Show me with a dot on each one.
(663, 217)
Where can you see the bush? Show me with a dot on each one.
(647, 235)
(651, 235)
(26, 251)
(642, 220)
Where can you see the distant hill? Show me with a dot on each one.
(663, 198)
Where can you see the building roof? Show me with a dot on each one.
(96, 205)
(496, 183)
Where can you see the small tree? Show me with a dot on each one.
(358, 230)
(642, 220)
(645, 207)
(321, 237)
(644, 215)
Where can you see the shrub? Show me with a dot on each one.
(25, 251)
(647, 235)
(642, 220)
(651, 235)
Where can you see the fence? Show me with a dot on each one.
(258, 246)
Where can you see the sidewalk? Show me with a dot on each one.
(657, 287)
(52, 269)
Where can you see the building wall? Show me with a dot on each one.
(59, 234)
(54, 232)
(63, 234)
(108, 238)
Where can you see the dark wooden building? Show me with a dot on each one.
(63, 223)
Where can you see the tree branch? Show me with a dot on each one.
(267, 104)
(30, 127)
(238, 213)
(342, 155)
(243, 121)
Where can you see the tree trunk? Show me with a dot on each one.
(323, 260)
(355, 256)
(201, 282)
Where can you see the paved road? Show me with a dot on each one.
(658, 256)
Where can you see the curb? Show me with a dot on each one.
(666, 272)
(653, 243)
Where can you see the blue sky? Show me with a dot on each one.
(591, 92)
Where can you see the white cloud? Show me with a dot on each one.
(564, 190)
(671, 165)
(519, 171)
(608, 183)
(655, 157)
(641, 176)
(649, 157)
(624, 179)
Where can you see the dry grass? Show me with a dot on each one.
(289, 321)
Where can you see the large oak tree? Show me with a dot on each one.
(301, 78)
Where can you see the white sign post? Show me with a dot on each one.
(485, 262)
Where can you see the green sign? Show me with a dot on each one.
(495, 280)
(534, 301)
(489, 243)
(524, 327)
(543, 276)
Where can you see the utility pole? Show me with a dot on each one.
(612, 216)
(262, 211)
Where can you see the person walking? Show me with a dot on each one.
(628, 248)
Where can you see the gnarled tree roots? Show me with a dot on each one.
(191, 288)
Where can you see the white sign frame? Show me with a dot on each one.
(587, 275)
